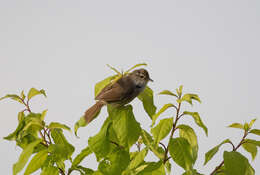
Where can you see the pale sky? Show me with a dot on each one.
(210, 47)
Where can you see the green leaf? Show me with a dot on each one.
(167, 92)
(20, 116)
(22, 95)
(257, 143)
(61, 165)
(135, 66)
(235, 163)
(236, 125)
(164, 108)
(62, 144)
(213, 151)
(15, 134)
(168, 167)
(97, 173)
(197, 120)
(147, 99)
(255, 131)
(80, 123)
(36, 123)
(100, 143)
(188, 133)
(50, 170)
(100, 85)
(251, 148)
(25, 155)
(36, 162)
(181, 152)
(114, 69)
(83, 170)
(48, 162)
(13, 97)
(250, 171)
(43, 114)
(161, 130)
(246, 127)
(58, 125)
(25, 138)
(251, 123)
(59, 152)
(127, 129)
(138, 159)
(189, 97)
(116, 162)
(179, 91)
(84, 153)
(153, 168)
(33, 92)
(149, 142)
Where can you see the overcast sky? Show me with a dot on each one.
(210, 47)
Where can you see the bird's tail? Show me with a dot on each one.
(93, 111)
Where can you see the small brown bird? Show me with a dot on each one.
(123, 91)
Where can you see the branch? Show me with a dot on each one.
(172, 132)
(163, 146)
(234, 149)
(61, 171)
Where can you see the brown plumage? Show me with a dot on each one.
(119, 93)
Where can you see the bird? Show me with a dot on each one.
(119, 93)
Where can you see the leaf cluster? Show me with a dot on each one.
(121, 146)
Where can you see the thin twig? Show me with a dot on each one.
(163, 146)
(233, 146)
(138, 146)
(234, 149)
(48, 135)
(61, 171)
(172, 132)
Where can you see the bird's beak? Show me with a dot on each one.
(150, 80)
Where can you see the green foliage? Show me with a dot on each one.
(167, 92)
(33, 92)
(255, 131)
(84, 153)
(138, 159)
(36, 162)
(149, 142)
(50, 170)
(197, 120)
(125, 126)
(153, 168)
(236, 125)
(189, 97)
(251, 148)
(162, 129)
(164, 108)
(147, 99)
(24, 157)
(236, 164)
(121, 145)
(209, 155)
(181, 153)
(189, 134)
(116, 162)
(100, 143)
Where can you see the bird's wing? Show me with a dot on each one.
(111, 93)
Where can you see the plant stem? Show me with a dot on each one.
(172, 132)
(61, 171)
(234, 149)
